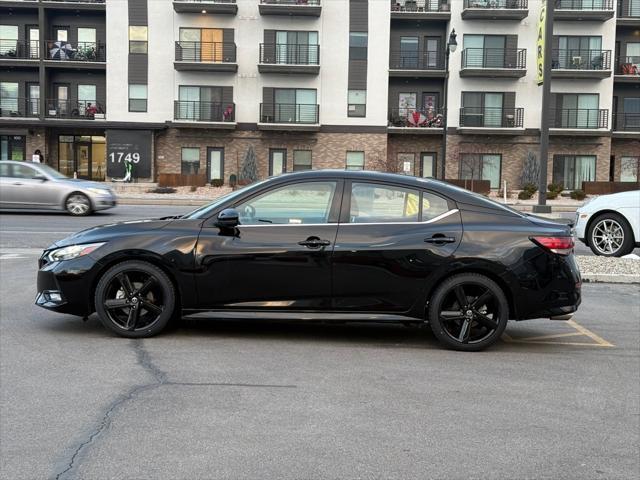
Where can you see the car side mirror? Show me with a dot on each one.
(42, 178)
(228, 218)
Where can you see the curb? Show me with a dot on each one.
(626, 278)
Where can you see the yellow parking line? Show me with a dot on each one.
(601, 341)
(545, 339)
(557, 335)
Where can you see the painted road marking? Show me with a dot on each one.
(550, 339)
(10, 256)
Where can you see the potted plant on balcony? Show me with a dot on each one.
(9, 53)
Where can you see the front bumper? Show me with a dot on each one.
(102, 203)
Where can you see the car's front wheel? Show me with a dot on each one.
(468, 312)
(135, 299)
(610, 235)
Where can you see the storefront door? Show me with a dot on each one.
(83, 159)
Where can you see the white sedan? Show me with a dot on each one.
(610, 224)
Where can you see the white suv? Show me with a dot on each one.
(610, 224)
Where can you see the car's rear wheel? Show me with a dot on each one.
(468, 312)
(610, 235)
(135, 299)
(78, 204)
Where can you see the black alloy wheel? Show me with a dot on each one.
(135, 299)
(468, 312)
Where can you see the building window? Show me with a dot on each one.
(277, 161)
(357, 100)
(571, 170)
(8, 40)
(86, 41)
(202, 103)
(138, 39)
(294, 47)
(203, 45)
(87, 100)
(358, 42)
(12, 147)
(483, 110)
(629, 167)
(481, 167)
(190, 161)
(578, 110)
(355, 161)
(137, 98)
(9, 99)
(484, 51)
(294, 105)
(578, 53)
(301, 160)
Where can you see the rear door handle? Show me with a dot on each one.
(440, 239)
(17, 183)
(314, 242)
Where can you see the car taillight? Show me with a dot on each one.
(559, 245)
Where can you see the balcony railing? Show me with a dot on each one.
(629, 10)
(14, 49)
(399, 60)
(289, 113)
(291, 2)
(584, 5)
(497, 4)
(491, 117)
(209, 52)
(78, 52)
(628, 66)
(418, 6)
(416, 118)
(19, 107)
(582, 118)
(579, 59)
(82, 109)
(626, 122)
(204, 111)
(289, 54)
(494, 58)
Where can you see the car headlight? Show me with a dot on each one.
(99, 191)
(72, 251)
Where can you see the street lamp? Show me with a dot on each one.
(452, 44)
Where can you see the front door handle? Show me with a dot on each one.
(17, 183)
(314, 242)
(440, 239)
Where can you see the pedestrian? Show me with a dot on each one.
(37, 157)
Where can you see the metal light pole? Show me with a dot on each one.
(542, 206)
(452, 44)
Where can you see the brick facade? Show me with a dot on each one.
(623, 147)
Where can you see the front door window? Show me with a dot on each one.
(297, 204)
(216, 164)
(277, 161)
(428, 161)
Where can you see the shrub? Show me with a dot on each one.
(217, 182)
(525, 195)
(555, 187)
(193, 188)
(530, 188)
(162, 190)
(578, 195)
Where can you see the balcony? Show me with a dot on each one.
(491, 120)
(219, 7)
(495, 9)
(79, 55)
(289, 58)
(19, 107)
(581, 63)
(579, 121)
(289, 116)
(628, 14)
(494, 62)
(74, 4)
(415, 64)
(221, 114)
(304, 8)
(206, 56)
(75, 110)
(628, 70)
(590, 10)
(19, 53)
(420, 10)
(626, 125)
(413, 121)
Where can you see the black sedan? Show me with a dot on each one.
(355, 246)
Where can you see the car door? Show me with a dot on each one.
(390, 239)
(279, 256)
(30, 188)
(5, 182)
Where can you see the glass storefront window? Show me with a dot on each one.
(66, 156)
(12, 147)
(83, 155)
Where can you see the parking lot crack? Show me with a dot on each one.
(159, 378)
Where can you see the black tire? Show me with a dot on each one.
(78, 204)
(604, 234)
(149, 314)
(478, 325)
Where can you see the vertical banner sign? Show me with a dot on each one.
(540, 43)
(129, 148)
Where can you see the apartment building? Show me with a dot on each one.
(189, 87)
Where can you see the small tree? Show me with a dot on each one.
(530, 170)
(249, 171)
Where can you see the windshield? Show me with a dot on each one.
(205, 210)
(51, 171)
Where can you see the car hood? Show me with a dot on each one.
(104, 233)
(614, 201)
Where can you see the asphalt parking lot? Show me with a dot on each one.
(243, 398)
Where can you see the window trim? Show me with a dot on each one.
(293, 160)
(346, 160)
(481, 168)
(182, 161)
